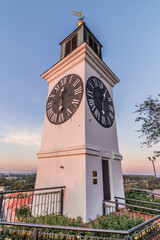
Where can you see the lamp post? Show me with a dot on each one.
(153, 159)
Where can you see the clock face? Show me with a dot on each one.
(64, 99)
(100, 102)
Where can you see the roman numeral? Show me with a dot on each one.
(75, 102)
(70, 79)
(61, 117)
(54, 117)
(91, 85)
(100, 84)
(76, 82)
(69, 112)
(49, 104)
(109, 99)
(91, 103)
(52, 95)
(56, 87)
(78, 90)
(111, 108)
(95, 82)
(63, 81)
(50, 112)
(97, 114)
(108, 120)
(103, 120)
(89, 93)
(111, 115)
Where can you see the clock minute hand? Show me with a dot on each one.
(62, 90)
(104, 96)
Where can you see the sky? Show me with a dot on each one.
(30, 33)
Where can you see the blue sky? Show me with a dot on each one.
(30, 32)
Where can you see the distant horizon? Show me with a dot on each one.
(10, 172)
(34, 172)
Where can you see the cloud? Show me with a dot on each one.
(21, 136)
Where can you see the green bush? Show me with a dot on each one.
(112, 221)
(23, 213)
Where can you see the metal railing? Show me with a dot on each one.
(75, 232)
(131, 208)
(20, 205)
(149, 192)
(38, 231)
(150, 228)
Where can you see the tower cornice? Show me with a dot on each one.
(82, 53)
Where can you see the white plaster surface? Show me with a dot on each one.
(51, 174)
(80, 143)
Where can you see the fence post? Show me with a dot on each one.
(1, 205)
(35, 235)
(116, 204)
(61, 202)
(103, 208)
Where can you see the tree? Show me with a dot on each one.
(149, 116)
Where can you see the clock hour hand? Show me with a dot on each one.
(104, 95)
(103, 112)
(60, 105)
(61, 99)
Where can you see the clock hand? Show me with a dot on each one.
(62, 90)
(61, 99)
(104, 95)
(60, 107)
(103, 112)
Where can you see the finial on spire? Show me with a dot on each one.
(80, 17)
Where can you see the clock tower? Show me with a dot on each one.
(79, 147)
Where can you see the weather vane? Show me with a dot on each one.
(80, 17)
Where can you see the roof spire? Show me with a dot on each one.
(80, 17)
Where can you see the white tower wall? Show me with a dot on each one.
(71, 151)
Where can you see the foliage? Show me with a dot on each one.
(144, 197)
(149, 116)
(112, 221)
(23, 212)
(118, 222)
(137, 177)
(18, 183)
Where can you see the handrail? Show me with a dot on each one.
(80, 229)
(145, 190)
(143, 224)
(31, 190)
(135, 206)
(135, 200)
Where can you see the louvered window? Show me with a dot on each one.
(90, 42)
(71, 45)
(95, 47)
(93, 44)
(74, 42)
(68, 47)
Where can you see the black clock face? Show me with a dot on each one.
(100, 102)
(64, 99)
